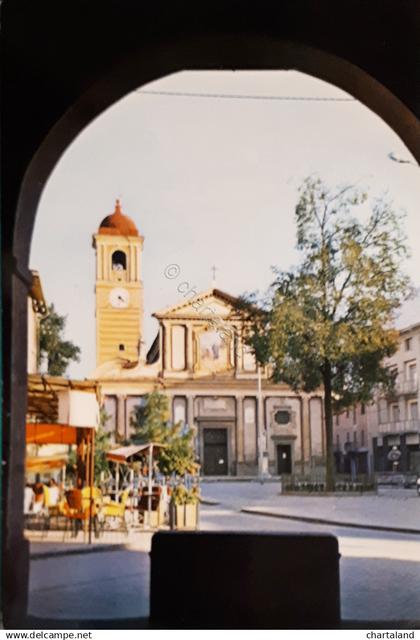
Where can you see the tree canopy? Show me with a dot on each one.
(52, 346)
(102, 446)
(328, 322)
(151, 424)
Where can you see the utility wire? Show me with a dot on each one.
(232, 96)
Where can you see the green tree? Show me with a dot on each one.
(328, 322)
(52, 347)
(151, 424)
(102, 445)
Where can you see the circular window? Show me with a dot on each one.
(282, 417)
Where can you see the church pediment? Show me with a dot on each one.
(205, 305)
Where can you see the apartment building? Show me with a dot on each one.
(353, 445)
(397, 417)
(365, 434)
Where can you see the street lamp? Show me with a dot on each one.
(262, 433)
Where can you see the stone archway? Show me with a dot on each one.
(231, 51)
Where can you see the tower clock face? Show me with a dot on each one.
(119, 298)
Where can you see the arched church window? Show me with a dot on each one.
(119, 261)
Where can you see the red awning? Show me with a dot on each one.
(45, 463)
(51, 433)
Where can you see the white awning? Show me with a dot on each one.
(132, 452)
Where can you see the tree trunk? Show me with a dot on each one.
(329, 439)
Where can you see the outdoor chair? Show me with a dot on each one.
(77, 511)
(51, 509)
(114, 509)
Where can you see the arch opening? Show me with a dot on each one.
(119, 261)
(367, 90)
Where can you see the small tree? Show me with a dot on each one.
(328, 322)
(151, 424)
(102, 445)
(57, 351)
(150, 420)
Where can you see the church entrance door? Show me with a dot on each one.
(284, 459)
(215, 452)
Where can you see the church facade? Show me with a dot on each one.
(244, 422)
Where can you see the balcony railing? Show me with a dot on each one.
(409, 385)
(400, 426)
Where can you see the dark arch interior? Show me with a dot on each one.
(384, 79)
(119, 260)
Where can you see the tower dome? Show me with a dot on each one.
(118, 224)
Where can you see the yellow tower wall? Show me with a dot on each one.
(118, 326)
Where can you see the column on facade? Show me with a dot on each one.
(121, 415)
(167, 339)
(239, 352)
(100, 262)
(190, 411)
(190, 422)
(190, 348)
(132, 264)
(99, 258)
(107, 253)
(162, 347)
(240, 440)
(138, 262)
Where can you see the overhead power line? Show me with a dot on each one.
(233, 96)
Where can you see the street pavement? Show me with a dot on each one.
(380, 571)
(392, 508)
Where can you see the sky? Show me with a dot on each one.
(209, 181)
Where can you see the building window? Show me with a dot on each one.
(355, 437)
(133, 405)
(337, 419)
(363, 408)
(249, 362)
(411, 371)
(413, 411)
(178, 335)
(395, 412)
(121, 347)
(408, 343)
(362, 438)
(338, 440)
(354, 415)
(180, 410)
(382, 411)
(110, 417)
(347, 413)
(348, 436)
(282, 417)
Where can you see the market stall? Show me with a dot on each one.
(138, 453)
(59, 414)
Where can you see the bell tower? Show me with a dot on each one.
(118, 288)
